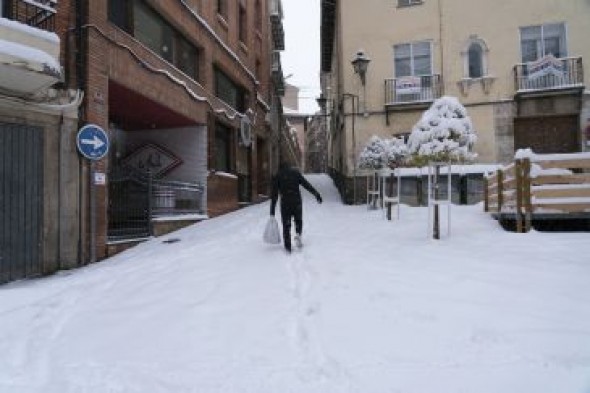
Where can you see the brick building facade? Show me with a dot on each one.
(183, 89)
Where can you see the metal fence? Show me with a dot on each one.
(563, 72)
(36, 13)
(136, 198)
(412, 89)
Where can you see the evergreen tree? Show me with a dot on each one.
(444, 133)
(373, 155)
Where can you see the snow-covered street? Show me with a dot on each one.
(367, 306)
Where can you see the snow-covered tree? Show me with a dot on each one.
(373, 155)
(444, 133)
(396, 152)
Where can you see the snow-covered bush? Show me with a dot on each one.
(379, 153)
(396, 152)
(373, 155)
(444, 133)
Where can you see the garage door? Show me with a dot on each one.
(556, 134)
(21, 153)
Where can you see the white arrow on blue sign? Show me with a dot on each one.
(92, 142)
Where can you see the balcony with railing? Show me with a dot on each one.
(29, 50)
(34, 13)
(276, 21)
(412, 90)
(549, 74)
(277, 73)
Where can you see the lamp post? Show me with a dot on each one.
(354, 97)
(322, 103)
(360, 63)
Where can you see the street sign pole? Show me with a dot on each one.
(93, 144)
(92, 213)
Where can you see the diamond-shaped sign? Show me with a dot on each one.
(153, 158)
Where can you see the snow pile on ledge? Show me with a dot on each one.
(42, 34)
(35, 59)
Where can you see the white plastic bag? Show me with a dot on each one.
(271, 231)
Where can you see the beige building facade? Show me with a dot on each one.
(517, 66)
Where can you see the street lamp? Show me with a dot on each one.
(360, 64)
(354, 98)
(322, 101)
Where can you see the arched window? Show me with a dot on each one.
(475, 60)
(475, 65)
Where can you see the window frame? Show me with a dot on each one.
(222, 8)
(477, 56)
(240, 98)
(258, 16)
(543, 49)
(412, 58)
(176, 37)
(223, 133)
(242, 23)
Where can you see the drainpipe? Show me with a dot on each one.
(80, 12)
(59, 186)
(440, 37)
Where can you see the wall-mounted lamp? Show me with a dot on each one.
(322, 101)
(360, 64)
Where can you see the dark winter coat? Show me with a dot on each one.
(286, 183)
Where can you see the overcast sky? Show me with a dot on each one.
(302, 50)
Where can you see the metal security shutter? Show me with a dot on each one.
(21, 196)
(554, 134)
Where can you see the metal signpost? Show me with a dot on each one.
(93, 144)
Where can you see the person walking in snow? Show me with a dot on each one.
(286, 183)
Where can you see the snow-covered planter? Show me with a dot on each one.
(444, 133)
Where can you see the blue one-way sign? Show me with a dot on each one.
(93, 142)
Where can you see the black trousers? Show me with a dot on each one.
(291, 211)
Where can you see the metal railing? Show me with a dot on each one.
(173, 198)
(550, 74)
(136, 199)
(276, 19)
(405, 90)
(35, 13)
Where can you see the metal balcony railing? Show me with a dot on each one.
(277, 72)
(549, 73)
(35, 13)
(412, 89)
(136, 199)
(276, 19)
